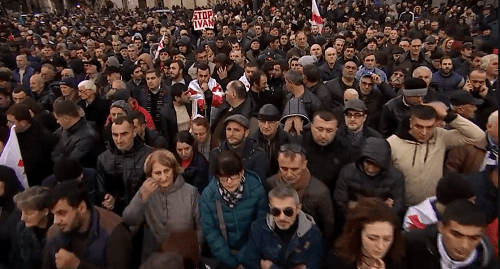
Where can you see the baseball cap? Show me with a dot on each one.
(461, 97)
(238, 118)
(430, 39)
(355, 104)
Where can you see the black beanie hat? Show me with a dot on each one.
(67, 169)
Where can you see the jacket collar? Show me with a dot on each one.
(306, 222)
(73, 129)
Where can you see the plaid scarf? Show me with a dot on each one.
(491, 158)
(231, 198)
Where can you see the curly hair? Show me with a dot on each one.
(367, 211)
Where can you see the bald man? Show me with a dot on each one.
(23, 72)
(42, 94)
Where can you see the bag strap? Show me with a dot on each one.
(220, 217)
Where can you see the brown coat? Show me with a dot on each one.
(466, 159)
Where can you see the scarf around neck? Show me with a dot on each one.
(231, 198)
(447, 262)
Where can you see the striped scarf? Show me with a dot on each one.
(159, 105)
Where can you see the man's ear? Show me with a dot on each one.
(82, 207)
(440, 227)
(246, 133)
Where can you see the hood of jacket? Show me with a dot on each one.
(146, 57)
(377, 150)
(306, 222)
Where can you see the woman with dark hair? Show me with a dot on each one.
(372, 238)
(165, 204)
(229, 204)
(194, 163)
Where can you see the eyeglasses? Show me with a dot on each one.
(236, 177)
(354, 115)
(288, 211)
(295, 148)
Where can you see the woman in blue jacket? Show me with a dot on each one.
(240, 198)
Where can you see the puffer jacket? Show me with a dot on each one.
(353, 182)
(422, 163)
(305, 247)
(123, 172)
(424, 252)
(254, 158)
(238, 219)
(80, 142)
(174, 210)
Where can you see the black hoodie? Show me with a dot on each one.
(11, 187)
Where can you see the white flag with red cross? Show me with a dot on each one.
(11, 157)
(316, 17)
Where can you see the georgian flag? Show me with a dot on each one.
(160, 46)
(316, 17)
(11, 157)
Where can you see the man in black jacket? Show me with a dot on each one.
(326, 153)
(225, 70)
(42, 94)
(254, 158)
(95, 107)
(151, 137)
(456, 242)
(122, 166)
(312, 80)
(372, 175)
(413, 59)
(35, 143)
(398, 108)
(339, 85)
(78, 139)
(176, 115)
(331, 69)
(270, 135)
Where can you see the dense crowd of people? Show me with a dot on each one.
(369, 141)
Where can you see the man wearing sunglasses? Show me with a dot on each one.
(314, 195)
(285, 228)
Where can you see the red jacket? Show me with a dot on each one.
(149, 120)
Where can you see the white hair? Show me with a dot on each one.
(88, 85)
(351, 91)
(493, 118)
(418, 69)
(486, 60)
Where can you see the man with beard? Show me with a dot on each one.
(254, 157)
(176, 116)
(84, 236)
(462, 64)
(349, 55)
(137, 85)
(414, 58)
(330, 69)
(177, 74)
(446, 79)
(397, 79)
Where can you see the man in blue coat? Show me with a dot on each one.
(286, 237)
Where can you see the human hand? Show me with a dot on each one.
(389, 202)
(109, 201)
(148, 187)
(483, 91)
(266, 264)
(66, 260)
(352, 204)
(222, 72)
(297, 122)
(376, 79)
(441, 109)
(468, 86)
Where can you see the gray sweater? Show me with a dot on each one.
(175, 210)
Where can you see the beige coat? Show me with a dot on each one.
(422, 163)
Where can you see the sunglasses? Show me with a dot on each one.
(276, 212)
(295, 148)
